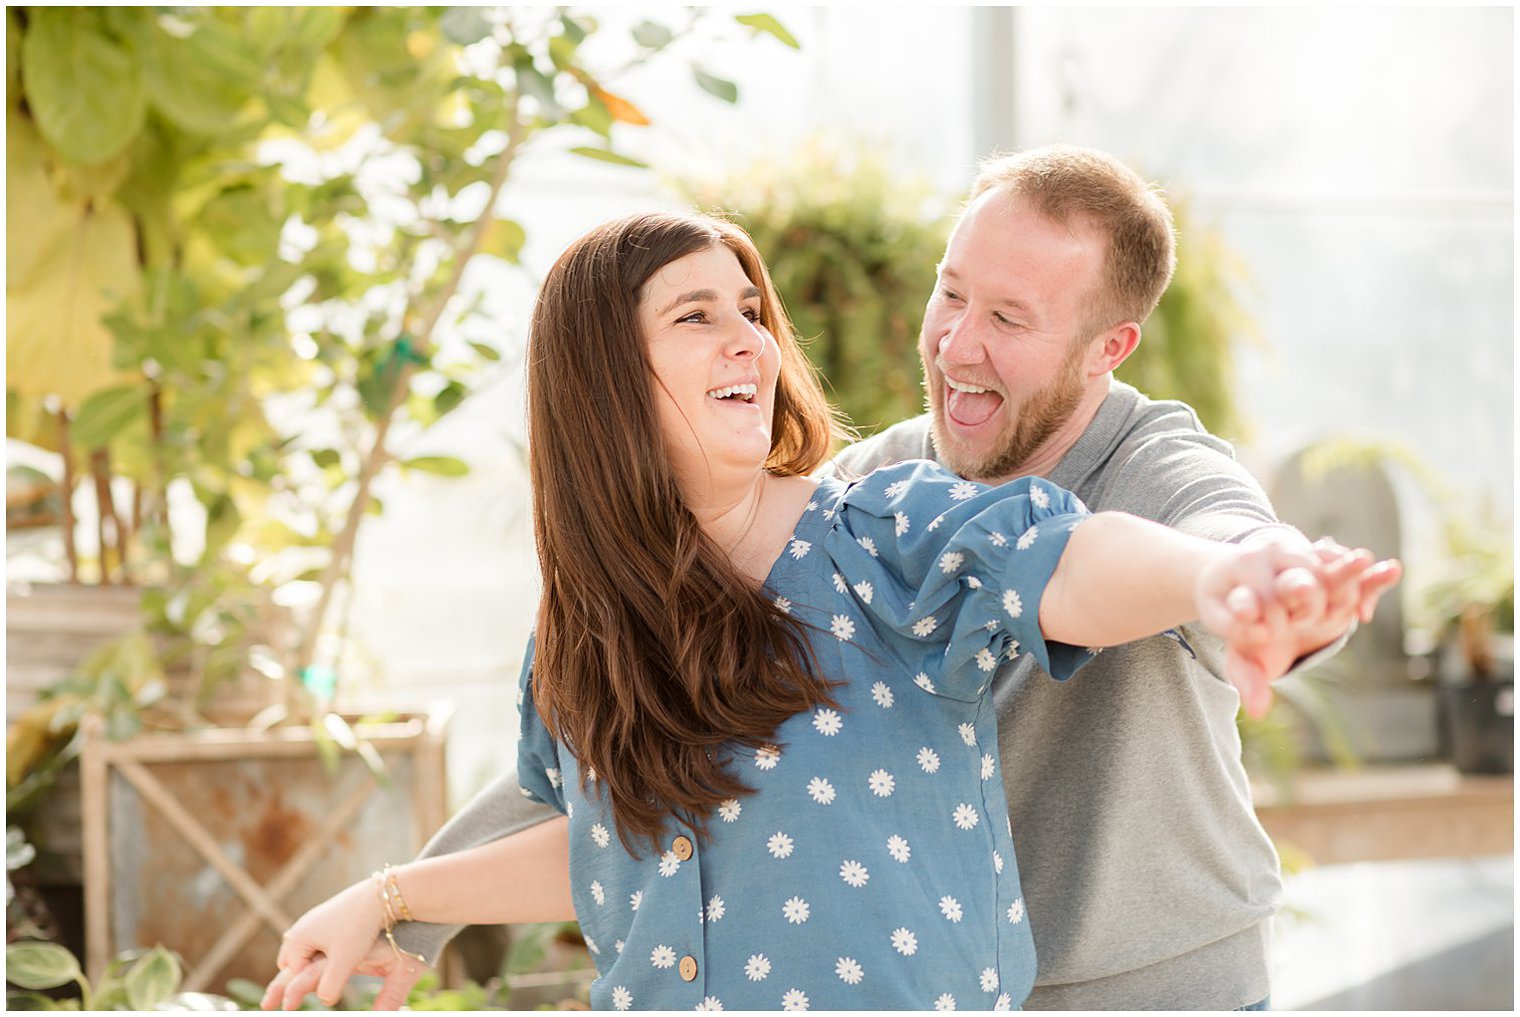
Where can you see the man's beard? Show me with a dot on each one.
(1023, 433)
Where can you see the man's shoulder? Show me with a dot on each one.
(909, 439)
(1137, 429)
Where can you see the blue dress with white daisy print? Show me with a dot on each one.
(874, 865)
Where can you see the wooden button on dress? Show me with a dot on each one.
(688, 968)
(682, 848)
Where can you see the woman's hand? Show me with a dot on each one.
(401, 971)
(327, 945)
(1276, 601)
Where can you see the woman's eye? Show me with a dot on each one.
(695, 317)
(751, 314)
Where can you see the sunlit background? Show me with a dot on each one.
(1344, 181)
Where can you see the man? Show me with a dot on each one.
(1149, 882)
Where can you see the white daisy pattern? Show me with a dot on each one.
(934, 525)
(669, 864)
(882, 783)
(821, 791)
(795, 999)
(716, 909)
(849, 970)
(840, 584)
(662, 957)
(950, 908)
(729, 809)
(1038, 497)
(928, 759)
(842, 627)
(597, 893)
(895, 488)
(799, 549)
(998, 540)
(898, 848)
(864, 591)
(618, 946)
(555, 780)
(989, 766)
(968, 733)
(599, 835)
(985, 659)
(922, 681)
(635, 899)
(1004, 1002)
(945, 1002)
(827, 722)
(709, 1003)
(973, 582)
(1016, 911)
(900, 519)
(622, 999)
(965, 816)
(796, 910)
(882, 693)
(904, 942)
(925, 626)
(854, 874)
(989, 979)
(870, 546)
(767, 756)
(1027, 538)
(963, 491)
(950, 561)
(784, 605)
(780, 845)
(1013, 604)
(757, 967)
(997, 863)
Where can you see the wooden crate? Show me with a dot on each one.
(212, 843)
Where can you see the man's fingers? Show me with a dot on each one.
(399, 979)
(1300, 592)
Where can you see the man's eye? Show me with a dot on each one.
(950, 294)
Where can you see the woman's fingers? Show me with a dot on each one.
(302, 982)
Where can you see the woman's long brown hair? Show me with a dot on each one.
(653, 651)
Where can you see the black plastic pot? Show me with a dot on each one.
(1479, 721)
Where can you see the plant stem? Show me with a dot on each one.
(67, 496)
(338, 564)
(105, 512)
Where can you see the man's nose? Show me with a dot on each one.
(958, 342)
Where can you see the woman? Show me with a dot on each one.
(760, 699)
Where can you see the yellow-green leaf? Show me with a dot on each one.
(768, 24)
(201, 81)
(36, 221)
(504, 238)
(40, 965)
(83, 86)
(105, 414)
(444, 466)
(56, 343)
(714, 85)
(604, 155)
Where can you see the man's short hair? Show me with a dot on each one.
(1068, 184)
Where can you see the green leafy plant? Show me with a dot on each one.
(237, 280)
(134, 981)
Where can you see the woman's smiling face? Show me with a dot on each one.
(715, 365)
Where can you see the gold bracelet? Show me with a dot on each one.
(395, 895)
(385, 901)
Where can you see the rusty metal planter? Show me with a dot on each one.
(211, 843)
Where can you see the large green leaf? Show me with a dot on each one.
(106, 414)
(83, 86)
(152, 979)
(40, 965)
(199, 81)
(56, 343)
(37, 222)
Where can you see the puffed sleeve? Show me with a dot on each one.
(538, 767)
(950, 572)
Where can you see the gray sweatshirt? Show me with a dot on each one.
(1148, 880)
